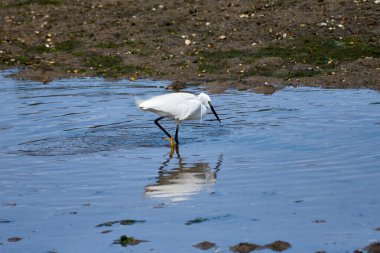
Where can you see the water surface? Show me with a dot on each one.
(301, 165)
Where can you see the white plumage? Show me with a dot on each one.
(177, 106)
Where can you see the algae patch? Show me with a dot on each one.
(125, 241)
(14, 239)
(320, 55)
(121, 222)
(110, 66)
(196, 220)
(201, 220)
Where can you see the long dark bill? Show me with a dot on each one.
(214, 112)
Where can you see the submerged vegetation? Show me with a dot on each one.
(121, 222)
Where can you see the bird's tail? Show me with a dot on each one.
(138, 101)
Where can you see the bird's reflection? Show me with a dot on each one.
(184, 180)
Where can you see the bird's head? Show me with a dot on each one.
(206, 101)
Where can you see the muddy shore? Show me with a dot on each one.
(257, 45)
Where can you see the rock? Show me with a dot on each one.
(176, 86)
(373, 247)
(205, 245)
(264, 89)
(278, 246)
(244, 247)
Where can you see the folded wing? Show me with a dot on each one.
(179, 106)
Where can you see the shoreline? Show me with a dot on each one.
(258, 46)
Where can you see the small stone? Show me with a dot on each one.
(223, 37)
(244, 247)
(278, 246)
(205, 245)
(323, 24)
(187, 42)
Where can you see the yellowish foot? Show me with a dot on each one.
(172, 146)
(172, 143)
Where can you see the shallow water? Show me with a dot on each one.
(301, 165)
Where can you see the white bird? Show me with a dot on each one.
(178, 106)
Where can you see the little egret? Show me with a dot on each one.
(178, 106)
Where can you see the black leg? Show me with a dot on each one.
(163, 129)
(176, 134)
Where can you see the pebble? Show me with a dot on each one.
(223, 37)
(205, 245)
(187, 42)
